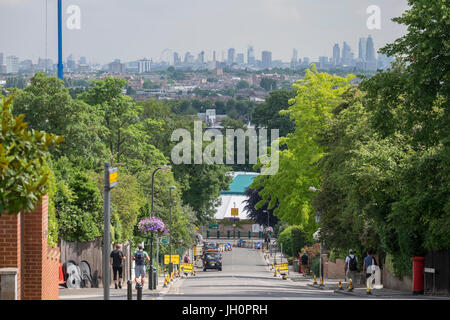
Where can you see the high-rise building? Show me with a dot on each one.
(12, 64)
(188, 58)
(144, 65)
(371, 60)
(201, 57)
(266, 59)
(116, 67)
(214, 55)
(370, 50)
(231, 53)
(176, 59)
(83, 60)
(1, 58)
(336, 55)
(323, 63)
(294, 59)
(362, 49)
(306, 61)
(240, 59)
(251, 56)
(347, 55)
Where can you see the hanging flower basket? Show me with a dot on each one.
(152, 224)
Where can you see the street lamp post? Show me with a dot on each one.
(170, 233)
(320, 239)
(150, 280)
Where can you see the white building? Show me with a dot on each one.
(12, 64)
(144, 66)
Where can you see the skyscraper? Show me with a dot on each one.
(336, 55)
(231, 53)
(266, 58)
(201, 57)
(294, 60)
(347, 56)
(370, 50)
(176, 59)
(362, 49)
(1, 58)
(251, 56)
(214, 55)
(240, 59)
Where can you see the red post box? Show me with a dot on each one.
(418, 274)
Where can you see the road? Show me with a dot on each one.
(244, 276)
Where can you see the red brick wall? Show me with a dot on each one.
(333, 270)
(10, 244)
(38, 275)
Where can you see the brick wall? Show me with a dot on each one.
(10, 244)
(333, 270)
(38, 266)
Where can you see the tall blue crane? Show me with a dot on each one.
(60, 63)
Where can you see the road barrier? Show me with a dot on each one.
(187, 267)
(350, 287)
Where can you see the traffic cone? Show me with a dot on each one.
(340, 285)
(165, 282)
(275, 272)
(315, 280)
(321, 281)
(350, 287)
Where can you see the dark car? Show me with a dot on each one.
(212, 260)
(209, 245)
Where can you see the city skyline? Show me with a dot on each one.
(130, 32)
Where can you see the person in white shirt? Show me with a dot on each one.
(351, 266)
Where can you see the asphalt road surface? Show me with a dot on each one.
(245, 276)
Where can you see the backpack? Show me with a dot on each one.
(352, 264)
(139, 258)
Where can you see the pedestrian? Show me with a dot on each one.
(139, 258)
(186, 259)
(116, 259)
(304, 260)
(369, 263)
(350, 266)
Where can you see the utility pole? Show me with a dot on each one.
(110, 182)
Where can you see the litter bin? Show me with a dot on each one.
(228, 234)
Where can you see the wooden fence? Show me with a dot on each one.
(92, 253)
(439, 280)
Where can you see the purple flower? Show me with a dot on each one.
(152, 224)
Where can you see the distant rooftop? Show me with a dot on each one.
(241, 181)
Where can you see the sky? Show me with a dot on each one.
(133, 29)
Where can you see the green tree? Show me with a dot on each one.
(23, 161)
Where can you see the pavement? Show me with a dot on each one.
(118, 294)
(333, 284)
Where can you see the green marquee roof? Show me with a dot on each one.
(239, 184)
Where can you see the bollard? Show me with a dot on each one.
(340, 285)
(368, 289)
(139, 291)
(350, 287)
(129, 290)
(321, 281)
(315, 280)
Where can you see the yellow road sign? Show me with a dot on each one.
(187, 267)
(234, 211)
(282, 268)
(175, 259)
